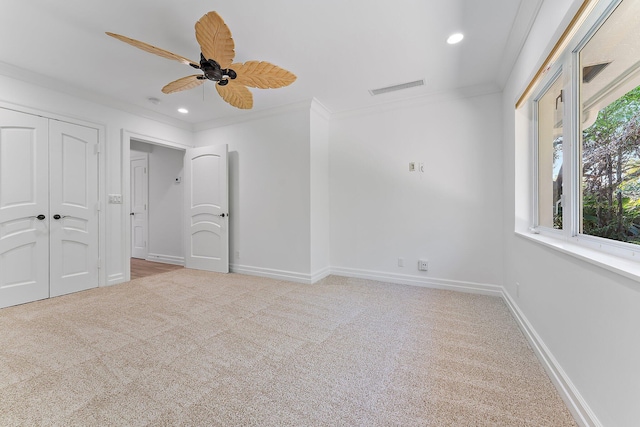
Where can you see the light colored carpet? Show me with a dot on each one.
(200, 349)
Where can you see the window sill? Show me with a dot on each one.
(616, 264)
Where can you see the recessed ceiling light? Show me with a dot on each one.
(183, 110)
(455, 38)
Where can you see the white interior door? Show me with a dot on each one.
(206, 209)
(24, 195)
(139, 203)
(74, 208)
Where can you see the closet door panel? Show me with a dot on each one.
(74, 207)
(24, 208)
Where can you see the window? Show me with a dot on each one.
(587, 134)
(609, 123)
(549, 133)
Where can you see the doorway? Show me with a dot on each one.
(155, 200)
(203, 214)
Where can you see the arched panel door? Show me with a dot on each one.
(74, 211)
(207, 209)
(24, 208)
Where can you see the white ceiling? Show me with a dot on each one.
(339, 49)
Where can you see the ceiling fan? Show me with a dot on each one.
(216, 63)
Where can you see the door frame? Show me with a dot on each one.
(102, 175)
(125, 144)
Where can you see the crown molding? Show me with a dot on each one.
(253, 115)
(520, 30)
(417, 101)
(60, 86)
(320, 109)
(311, 104)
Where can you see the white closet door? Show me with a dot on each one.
(73, 207)
(24, 198)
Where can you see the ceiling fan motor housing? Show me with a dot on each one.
(214, 72)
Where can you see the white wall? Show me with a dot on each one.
(587, 317)
(269, 197)
(166, 201)
(449, 215)
(20, 94)
(319, 192)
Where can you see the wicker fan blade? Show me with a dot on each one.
(184, 83)
(236, 94)
(152, 49)
(263, 75)
(215, 39)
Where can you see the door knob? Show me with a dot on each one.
(132, 214)
(40, 217)
(56, 216)
(222, 215)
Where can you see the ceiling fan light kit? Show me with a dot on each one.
(216, 63)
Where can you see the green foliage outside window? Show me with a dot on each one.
(611, 171)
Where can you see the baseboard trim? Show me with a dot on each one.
(165, 259)
(114, 279)
(452, 285)
(271, 273)
(579, 408)
(320, 274)
(427, 282)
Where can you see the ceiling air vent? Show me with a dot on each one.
(591, 71)
(396, 87)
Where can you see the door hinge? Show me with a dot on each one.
(99, 264)
(96, 149)
(99, 206)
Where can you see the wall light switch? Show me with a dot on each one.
(115, 199)
(412, 166)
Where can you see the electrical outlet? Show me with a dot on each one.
(423, 265)
(412, 166)
(237, 254)
(400, 262)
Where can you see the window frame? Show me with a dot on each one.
(553, 75)
(565, 64)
